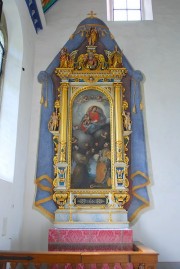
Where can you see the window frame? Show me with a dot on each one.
(126, 11)
(146, 11)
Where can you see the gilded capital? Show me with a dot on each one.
(64, 85)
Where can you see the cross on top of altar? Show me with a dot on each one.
(91, 14)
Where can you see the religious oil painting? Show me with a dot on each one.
(91, 143)
(46, 4)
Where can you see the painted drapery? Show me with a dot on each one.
(45, 173)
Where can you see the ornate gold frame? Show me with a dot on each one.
(107, 79)
(110, 98)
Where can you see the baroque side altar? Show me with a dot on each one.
(88, 176)
(91, 162)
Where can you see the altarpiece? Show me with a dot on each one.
(91, 168)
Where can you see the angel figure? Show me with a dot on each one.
(114, 58)
(67, 59)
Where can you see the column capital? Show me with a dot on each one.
(117, 84)
(64, 84)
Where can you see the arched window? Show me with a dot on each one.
(129, 10)
(11, 33)
(3, 51)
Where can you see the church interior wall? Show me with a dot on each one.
(153, 48)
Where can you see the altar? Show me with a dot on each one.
(92, 170)
(90, 240)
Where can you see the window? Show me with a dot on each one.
(129, 10)
(3, 50)
(10, 89)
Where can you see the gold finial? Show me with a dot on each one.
(91, 14)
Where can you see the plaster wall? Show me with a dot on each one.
(153, 48)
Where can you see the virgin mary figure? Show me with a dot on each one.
(93, 120)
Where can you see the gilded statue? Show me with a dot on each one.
(114, 58)
(91, 61)
(54, 122)
(92, 36)
(67, 59)
(127, 121)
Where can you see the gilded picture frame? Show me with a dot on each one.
(90, 140)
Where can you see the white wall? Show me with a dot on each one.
(153, 48)
(17, 105)
(159, 227)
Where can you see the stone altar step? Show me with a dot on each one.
(90, 239)
(91, 218)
